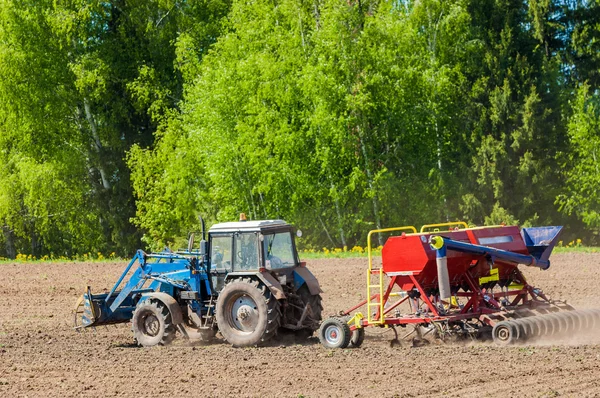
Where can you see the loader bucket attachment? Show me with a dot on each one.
(540, 241)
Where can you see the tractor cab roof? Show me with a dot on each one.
(249, 226)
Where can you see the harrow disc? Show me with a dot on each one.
(505, 333)
(557, 324)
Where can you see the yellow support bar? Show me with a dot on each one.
(369, 272)
(444, 224)
(355, 320)
(493, 277)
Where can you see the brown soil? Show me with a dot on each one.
(41, 356)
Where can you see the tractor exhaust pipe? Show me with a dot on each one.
(202, 227)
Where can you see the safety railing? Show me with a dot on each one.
(444, 224)
(379, 285)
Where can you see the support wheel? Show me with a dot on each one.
(504, 333)
(357, 338)
(151, 324)
(247, 314)
(358, 335)
(335, 333)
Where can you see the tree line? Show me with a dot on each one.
(123, 120)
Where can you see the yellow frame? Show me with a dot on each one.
(380, 285)
(444, 224)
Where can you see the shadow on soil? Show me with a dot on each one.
(282, 339)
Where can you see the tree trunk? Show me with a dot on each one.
(97, 144)
(439, 161)
(338, 212)
(9, 242)
(326, 231)
(375, 199)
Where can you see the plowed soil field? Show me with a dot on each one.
(41, 355)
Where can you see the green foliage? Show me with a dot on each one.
(127, 120)
(582, 195)
(81, 82)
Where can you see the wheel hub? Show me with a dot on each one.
(503, 334)
(332, 334)
(244, 314)
(151, 325)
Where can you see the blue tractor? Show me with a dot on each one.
(245, 281)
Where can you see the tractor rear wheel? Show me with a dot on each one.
(316, 308)
(335, 333)
(151, 324)
(247, 313)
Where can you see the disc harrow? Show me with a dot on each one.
(555, 325)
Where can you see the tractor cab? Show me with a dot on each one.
(251, 247)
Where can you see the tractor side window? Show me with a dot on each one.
(246, 252)
(220, 252)
(279, 251)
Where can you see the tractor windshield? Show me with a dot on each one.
(279, 250)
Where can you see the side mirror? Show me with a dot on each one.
(191, 242)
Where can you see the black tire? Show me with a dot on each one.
(357, 338)
(247, 314)
(151, 324)
(335, 333)
(504, 333)
(358, 335)
(316, 306)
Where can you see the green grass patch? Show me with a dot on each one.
(577, 249)
(316, 255)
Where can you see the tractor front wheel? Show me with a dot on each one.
(247, 313)
(151, 324)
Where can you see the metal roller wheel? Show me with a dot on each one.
(555, 325)
(538, 327)
(504, 333)
(547, 326)
(573, 322)
(335, 333)
(586, 320)
(590, 317)
(521, 329)
(564, 323)
(528, 329)
(594, 320)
